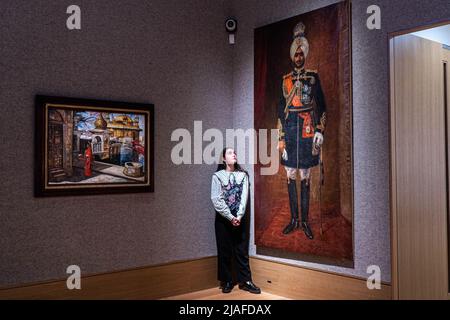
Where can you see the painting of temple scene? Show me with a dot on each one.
(95, 147)
(86, 146)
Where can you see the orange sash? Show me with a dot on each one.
(308, 128)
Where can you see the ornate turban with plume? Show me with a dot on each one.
(299, 40)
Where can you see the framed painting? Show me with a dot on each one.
(86, 146)
(302, 88)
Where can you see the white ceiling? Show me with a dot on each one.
(439, 34)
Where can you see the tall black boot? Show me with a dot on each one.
(293, 204)
(304, 203)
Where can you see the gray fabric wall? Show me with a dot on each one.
(370, 108)
(173, 54)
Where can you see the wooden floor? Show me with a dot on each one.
(216, 294)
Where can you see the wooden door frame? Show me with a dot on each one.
(392, 148)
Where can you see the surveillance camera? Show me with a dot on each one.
(231, 25)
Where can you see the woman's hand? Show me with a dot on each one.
(235, 222)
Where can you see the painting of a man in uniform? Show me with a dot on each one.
(302, 88)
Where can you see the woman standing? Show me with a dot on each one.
(229, 193)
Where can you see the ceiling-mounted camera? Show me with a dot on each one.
(231, 27)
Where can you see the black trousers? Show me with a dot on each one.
(232, 248)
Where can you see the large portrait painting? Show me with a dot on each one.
(92, 146)
(303, 89)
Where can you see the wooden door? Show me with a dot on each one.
(418, 169)
(446, 66)
(55, 146)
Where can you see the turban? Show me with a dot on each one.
(299, 40)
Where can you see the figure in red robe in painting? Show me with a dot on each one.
(88, 160)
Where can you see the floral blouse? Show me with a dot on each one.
(229, 193)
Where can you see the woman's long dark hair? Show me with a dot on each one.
(222, 165)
